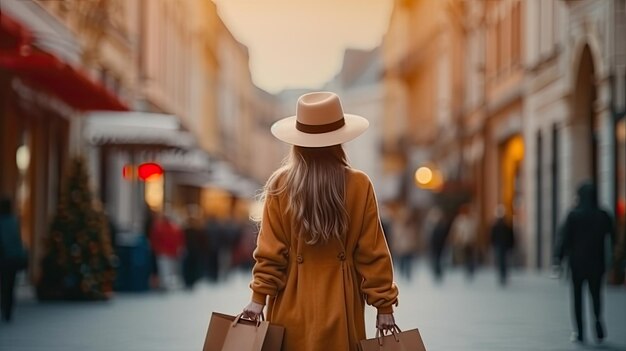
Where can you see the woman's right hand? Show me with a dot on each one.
(253, 311)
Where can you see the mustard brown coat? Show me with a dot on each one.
(318, 292)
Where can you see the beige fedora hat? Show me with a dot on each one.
(319, 122)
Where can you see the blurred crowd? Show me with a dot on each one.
(197, 246)
(446, 239)
(184, 251)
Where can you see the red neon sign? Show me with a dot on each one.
(149, 169)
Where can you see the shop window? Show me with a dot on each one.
(154, 193)
(517, 38)
(512, 156)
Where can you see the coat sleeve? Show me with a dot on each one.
(373, 261)
(269, 272)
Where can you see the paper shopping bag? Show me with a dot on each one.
(231, 333)
(398, 340)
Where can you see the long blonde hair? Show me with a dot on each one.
(315, 182)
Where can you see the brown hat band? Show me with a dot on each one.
(320, 128)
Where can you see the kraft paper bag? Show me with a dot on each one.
(231, 333)
(409, 340)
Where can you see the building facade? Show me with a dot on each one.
(267, 151)
(52, 72)
(423, 77)
(193, 82)
(360, 87)
(533, 107)
(493, 118)
(121, 83)
(574, 122)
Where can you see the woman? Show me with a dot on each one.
(321, 252)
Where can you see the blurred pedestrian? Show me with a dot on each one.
(244, 248)
(582, 239)
(503, 241)
(321, 251)
(195, 242)
(404, 241)
(463, 234)
(230, 232)
(167, 243)
(438, 240)
(213, 232)
(148, 225)
(13, 257)
(386, 221)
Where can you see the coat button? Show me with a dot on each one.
(342, 256)
(299, 259)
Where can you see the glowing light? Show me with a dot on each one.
(154, 193)
(429, 177)
(22, 158)
(423, 175)
(127, 172)
(149, 171)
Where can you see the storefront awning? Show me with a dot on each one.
(223, 177)
(193, 160)
(189, 168)
(19, 55)
(141, 130)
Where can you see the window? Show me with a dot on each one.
(104, 75)
(516, 34)
(546, 24)
(498, 46)
(491, 51)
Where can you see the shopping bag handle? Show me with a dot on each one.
(240, 316)
(381, 332)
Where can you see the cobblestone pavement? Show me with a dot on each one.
(532, 313)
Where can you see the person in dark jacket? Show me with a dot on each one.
(213, 232)
(438, 241)
(582, 239)
(13, 257)
(503, 241)
(195, 242)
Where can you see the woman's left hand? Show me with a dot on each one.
(253, 311)
(385, 322)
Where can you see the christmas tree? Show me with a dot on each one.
(78, 262)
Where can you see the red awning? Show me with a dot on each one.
(47, 72)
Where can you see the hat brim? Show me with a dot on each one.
(285, 130)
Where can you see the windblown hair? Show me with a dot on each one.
(315, 182)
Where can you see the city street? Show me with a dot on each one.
(530, 314)
(137, 135)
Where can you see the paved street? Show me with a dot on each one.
(530, 314)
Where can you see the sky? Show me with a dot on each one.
(300, 43)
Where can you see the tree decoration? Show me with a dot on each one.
(78, 263)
